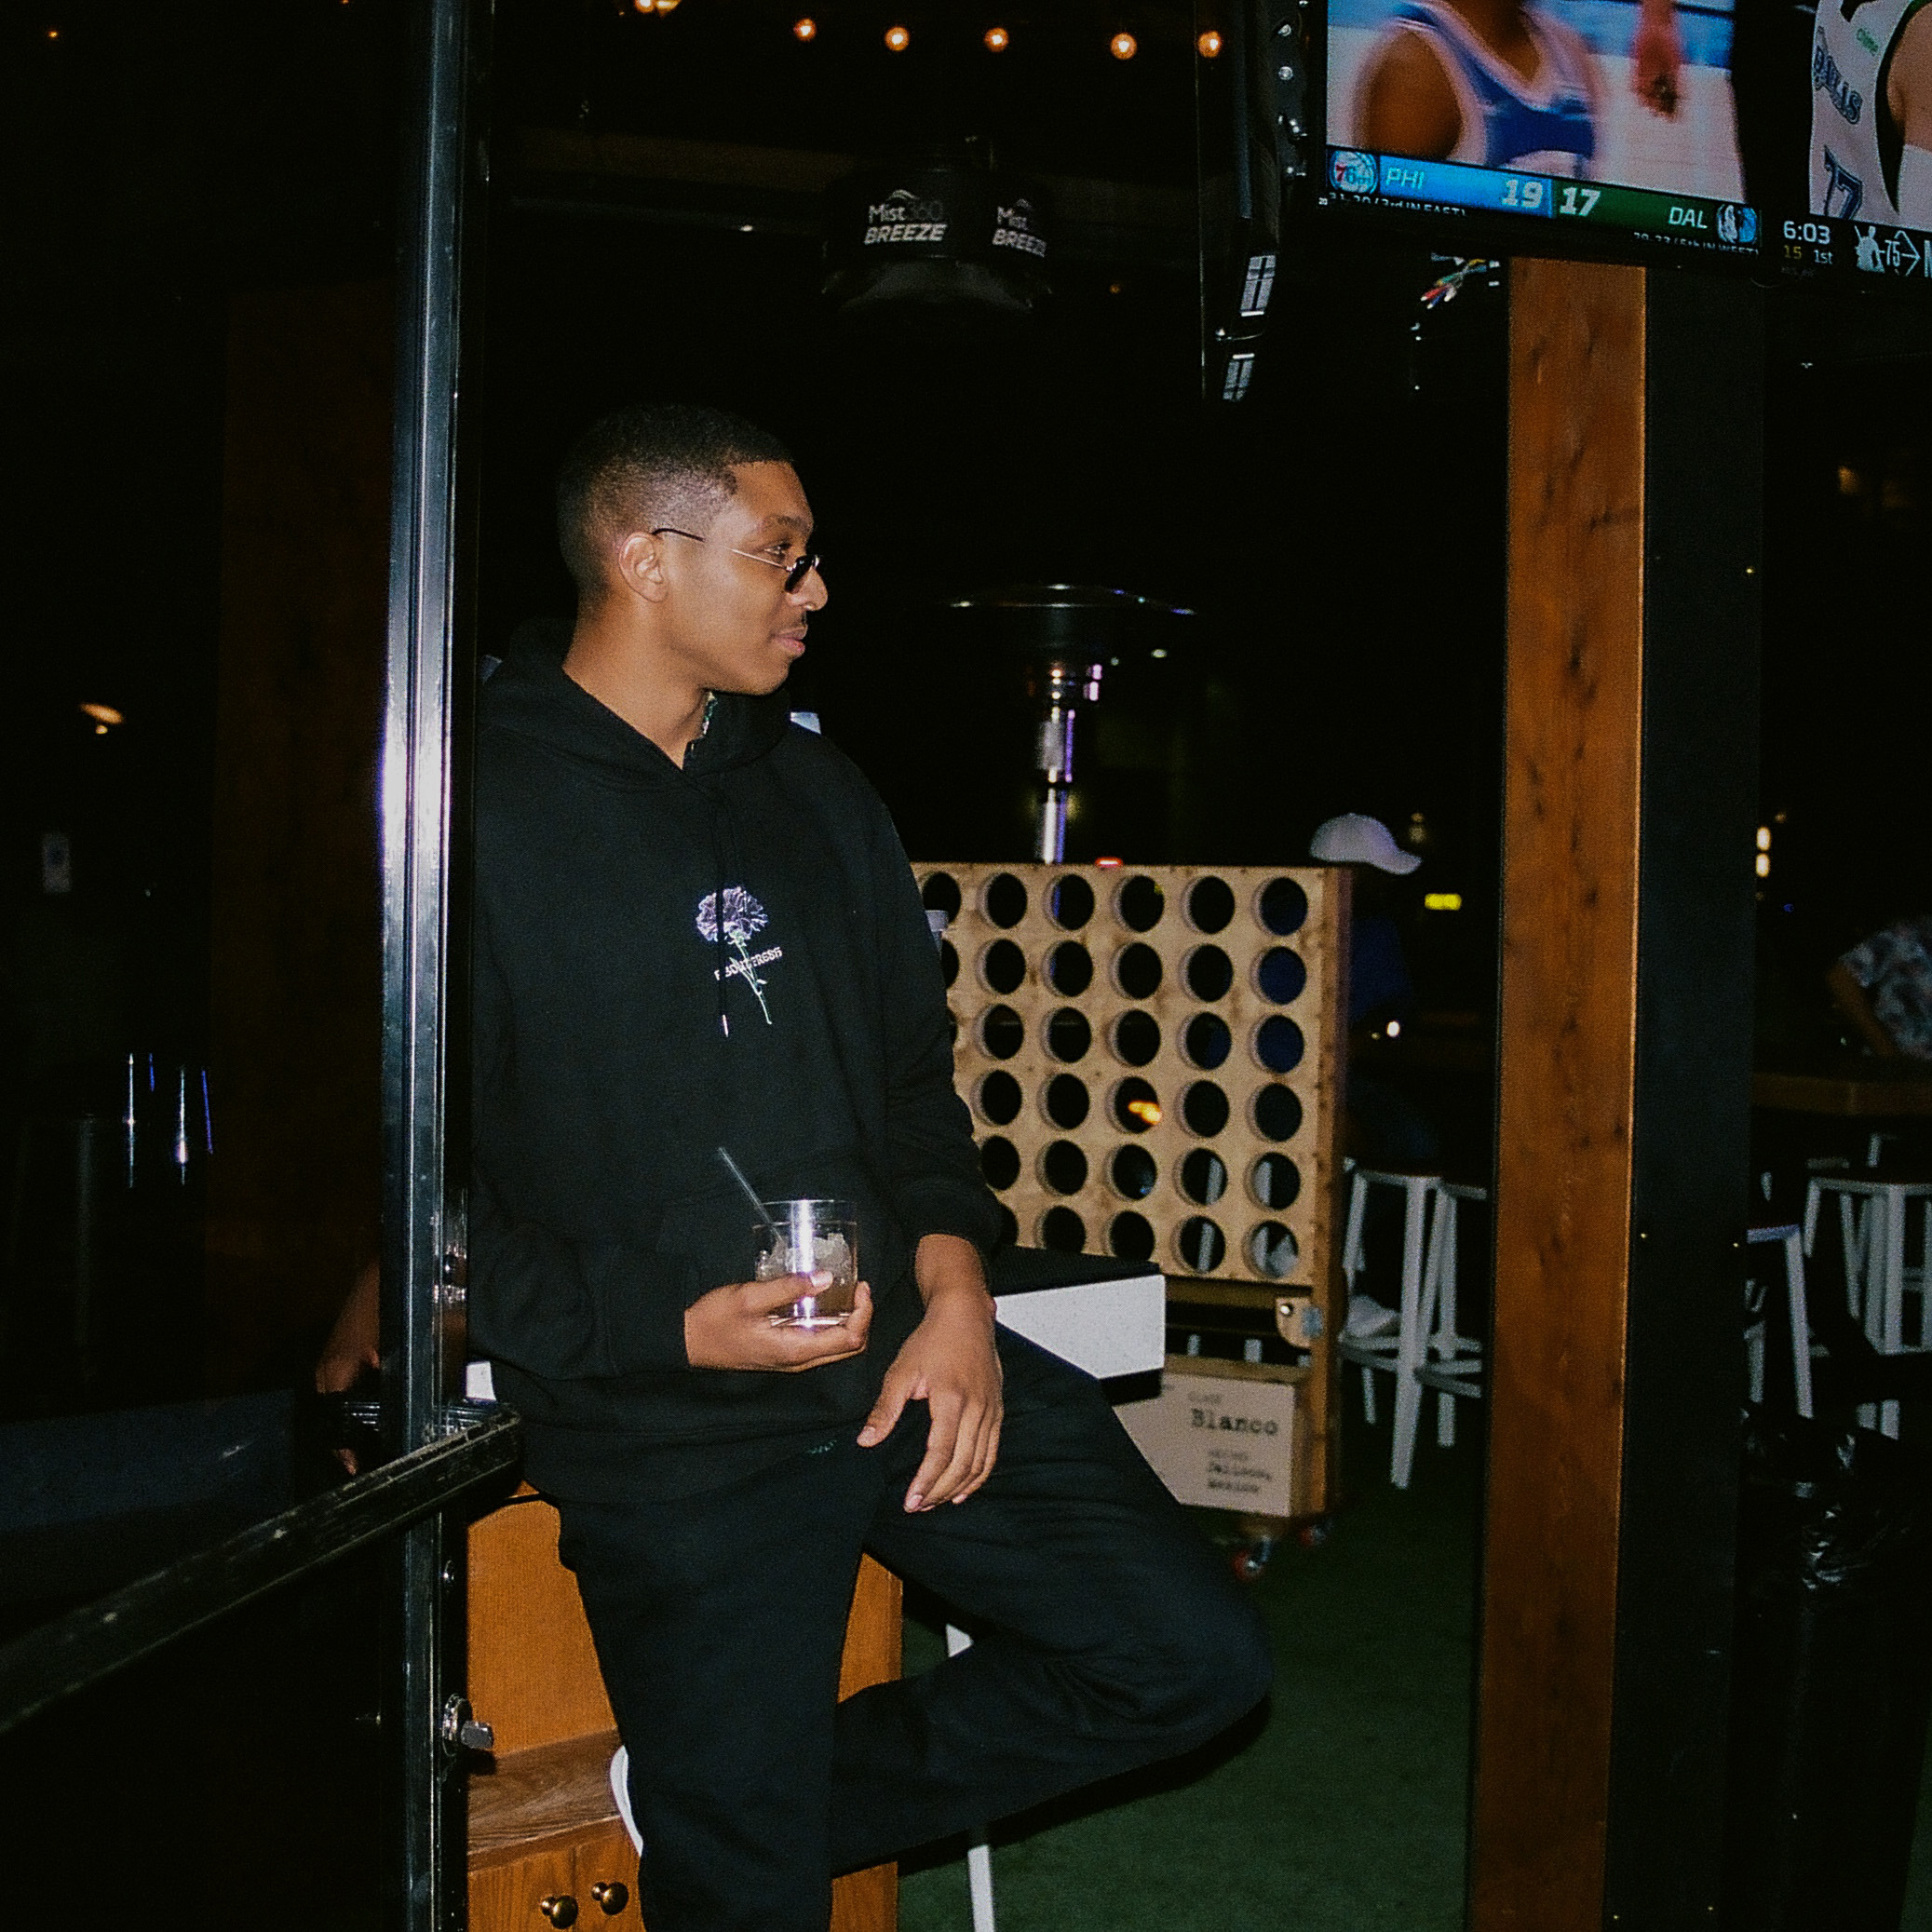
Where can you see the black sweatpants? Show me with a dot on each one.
(1107, 1635)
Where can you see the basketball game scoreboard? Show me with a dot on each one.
(1450, 187)
(1811, 245)
(1667, 127)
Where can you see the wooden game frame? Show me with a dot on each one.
(1040, 963)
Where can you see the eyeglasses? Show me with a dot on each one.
(796, 572)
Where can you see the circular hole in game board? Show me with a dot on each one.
(1002, 1033)
(1272, 1251)
(1140, 903)
(1000, 1097)
(1135, 1108)
(1203, 1108)
(1066, 1102)
(1133, 1172)
(1210, 972)
(1006, 899)
(999, 1162)
(1070, 902)
(1137, 1037)
(1137, 971)
(1206, 1041)
(949, 961)
(1063, 1231)
(1278, 1114)
(1211, 904)
(1275, 1180)
(1200, 1244)
(1002, 967)
(1063, 1167)
(1277, 1044)
(1283, 906)
(1204, 1177)
(1131, 1237)
(1069, 1034)
(1280, 974)
(940, 893)
(1070, 969)
(1008, 1235)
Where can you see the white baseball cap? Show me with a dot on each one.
(1356, 839)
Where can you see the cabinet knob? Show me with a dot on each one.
(559, 1908)
(612, 1894)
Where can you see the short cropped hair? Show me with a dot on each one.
(646, 466)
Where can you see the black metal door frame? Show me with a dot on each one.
(438, 1451)
(423, 1259)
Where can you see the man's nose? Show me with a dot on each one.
(811, 595)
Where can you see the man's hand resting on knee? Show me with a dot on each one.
(731, 1326)
(950, 1364)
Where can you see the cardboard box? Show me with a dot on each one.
(1227, 1435)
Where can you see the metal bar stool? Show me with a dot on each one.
(1449, 1363)
(1789, 1236)
(1397, 1353)
(1871, 1225)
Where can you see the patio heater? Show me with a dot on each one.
(1065, 636)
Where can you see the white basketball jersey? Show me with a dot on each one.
(1855, 145)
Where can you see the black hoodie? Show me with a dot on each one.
(623, 1030)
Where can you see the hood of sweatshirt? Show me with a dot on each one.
(534, 697)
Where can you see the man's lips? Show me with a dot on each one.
(792, 642)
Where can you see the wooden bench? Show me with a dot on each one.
(545, 1844)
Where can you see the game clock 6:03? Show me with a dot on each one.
(1809, 245)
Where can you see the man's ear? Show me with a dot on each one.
(640, 560)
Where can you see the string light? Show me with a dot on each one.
(1209, 43)
(104, 715)
(897, 39)
(1124, 47)
(996, 39)
(807, 29)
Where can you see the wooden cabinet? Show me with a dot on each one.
(542, 1830)
(546, 1844)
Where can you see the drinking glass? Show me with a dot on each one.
(809, 1237)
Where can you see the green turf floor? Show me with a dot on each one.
(1917, 1916)
(1344, 1810)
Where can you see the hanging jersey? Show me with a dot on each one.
(1856, 144)
(1545, 126)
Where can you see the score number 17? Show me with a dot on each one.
(1578, 201)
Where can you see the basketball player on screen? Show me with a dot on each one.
(1489, 83)
(1503, 84)
(1871, 112)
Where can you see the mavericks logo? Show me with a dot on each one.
(742, 919)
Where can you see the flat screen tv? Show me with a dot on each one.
(1771, 137)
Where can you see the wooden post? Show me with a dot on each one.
(1623, 1137)
(1572, 776)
